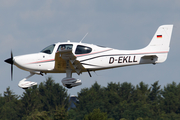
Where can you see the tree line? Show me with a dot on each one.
(116, 101)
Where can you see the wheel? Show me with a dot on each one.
(68, 86)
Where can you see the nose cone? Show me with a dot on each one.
(9, 60)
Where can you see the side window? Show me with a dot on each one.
(82, 49)
(65, 47)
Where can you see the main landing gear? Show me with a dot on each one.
(70, 82)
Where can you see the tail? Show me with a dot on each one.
(159, 45)
(161, 39)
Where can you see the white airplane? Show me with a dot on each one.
(71, 57)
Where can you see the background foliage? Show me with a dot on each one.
(117, 101)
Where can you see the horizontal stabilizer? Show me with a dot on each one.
(151, 57)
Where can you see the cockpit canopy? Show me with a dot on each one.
(80, 49)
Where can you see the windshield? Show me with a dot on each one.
(48, 49)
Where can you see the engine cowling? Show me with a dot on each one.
(26, 84)
(71, 82)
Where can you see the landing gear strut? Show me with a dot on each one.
(68, 81)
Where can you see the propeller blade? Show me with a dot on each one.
(10, 61)
(11, 72)
(11, 55)
(12, 66)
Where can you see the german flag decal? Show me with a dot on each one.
(159, 36)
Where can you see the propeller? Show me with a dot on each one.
(10, 61)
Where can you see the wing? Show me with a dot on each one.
(65, 59)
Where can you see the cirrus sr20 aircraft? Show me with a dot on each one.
(71, 57)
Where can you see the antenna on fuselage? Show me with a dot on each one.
(83, 37)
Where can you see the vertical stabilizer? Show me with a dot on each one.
(161, 39)
(158, 48)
